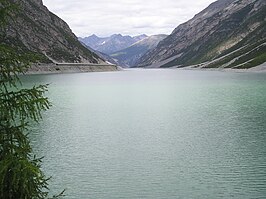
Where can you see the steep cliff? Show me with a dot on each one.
(228, 34)
(35, 29)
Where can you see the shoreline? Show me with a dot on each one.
(70, 68)
(87, 68)
(257, 69)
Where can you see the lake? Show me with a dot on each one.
(157, 134)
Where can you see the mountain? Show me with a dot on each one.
(103, 56)
(129, 57)
(33, 28)
(139, 37)
(109, 45)
(227, 34)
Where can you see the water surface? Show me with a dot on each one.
(154, 134)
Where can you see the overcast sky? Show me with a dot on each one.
(128, 17)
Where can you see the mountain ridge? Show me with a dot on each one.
(129, 56)
(111, 44)
(35, 29)
(218, 30)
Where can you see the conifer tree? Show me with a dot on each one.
(21, 176)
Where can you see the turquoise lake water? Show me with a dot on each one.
(156, 134)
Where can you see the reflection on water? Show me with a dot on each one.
(155, 134)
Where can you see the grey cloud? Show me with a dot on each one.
(105, 17)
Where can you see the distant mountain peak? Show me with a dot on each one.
(129, 56)
(93, 35)
(109, 45)
(142, 35)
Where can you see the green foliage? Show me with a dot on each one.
(241, 56)
(253, 54)
(5, 8)
(254, 62)
(20, 171)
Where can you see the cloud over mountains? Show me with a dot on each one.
(130, 17)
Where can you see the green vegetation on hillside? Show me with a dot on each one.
(240, 56)
(237, 41)
(254, 62)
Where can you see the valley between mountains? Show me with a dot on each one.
(228, 34)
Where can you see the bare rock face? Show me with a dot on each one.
(226, 27)
(39, 2)
(34, 28)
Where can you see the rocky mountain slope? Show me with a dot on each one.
(107, 58)
(129, 57)
(109, 45)
(227, 34)
(33, 28)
